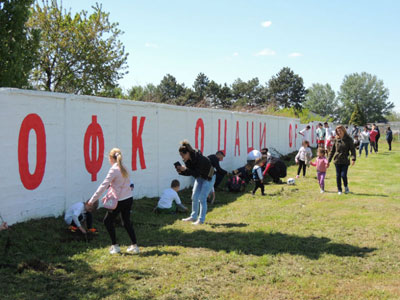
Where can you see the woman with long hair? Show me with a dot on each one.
(118, 181)
(340, 154)
(200, 168)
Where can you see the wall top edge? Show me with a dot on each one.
(72, 97)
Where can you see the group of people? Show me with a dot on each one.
(208, 174)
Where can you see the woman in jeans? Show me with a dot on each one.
(118, 180)
(200, 168)
(340, 154)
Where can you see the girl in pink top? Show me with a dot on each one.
(117, 179)
(322, 164)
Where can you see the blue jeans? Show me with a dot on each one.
(364, 145)
(201, 189)
(341, 173)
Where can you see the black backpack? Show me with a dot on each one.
(235, 183)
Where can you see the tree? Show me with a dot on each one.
(247, 93)
(321, 99)
(286, 89)
(169, 89)
(368, 92)
(200, 86)
(357, 117)
(79, 54)
(18, 44)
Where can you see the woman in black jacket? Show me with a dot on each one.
(340, 153)
(200, 168)
(389, 138)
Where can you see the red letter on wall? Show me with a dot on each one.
(93, 134)
(137, 143)
(263, 136)
(295, 135)
(290, 136)
(237, 140)
(252, 136)
(199, 125)
(312, 135)
(219, 136)
(31, 181)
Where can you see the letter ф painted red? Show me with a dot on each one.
(137, 143)
(31, 181)
(199, 125)
(219, 136)
(93, 134)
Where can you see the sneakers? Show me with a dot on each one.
(322, 191)
(198, 222)
(190, 219)
(134, 249)
(339, 192)
(73, 228)
(92, 230)
(297, 176)
(346, 190)
(114, 249)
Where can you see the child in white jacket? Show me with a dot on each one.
(303, 158)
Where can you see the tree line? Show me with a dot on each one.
(45, 47)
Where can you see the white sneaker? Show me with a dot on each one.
(339, 193)
(198, 222)
(133, 249)
(114, 249)
(322, 191)
(190, 219)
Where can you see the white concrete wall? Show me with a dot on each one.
(66, 119)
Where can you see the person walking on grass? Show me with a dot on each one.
(372, 138)
(322, 164)
(200, 168)
(303, 157)
(364, 140)
(340, 154)
(118, 181)
(320, 132)
(378, 136)
(258, 176)
(389, 138)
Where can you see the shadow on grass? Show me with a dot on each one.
(255, 243)
(371, 195)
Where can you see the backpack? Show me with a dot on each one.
(235, 183)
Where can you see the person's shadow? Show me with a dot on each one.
(254, 243)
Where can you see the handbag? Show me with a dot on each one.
(110, 200)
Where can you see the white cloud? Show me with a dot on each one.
(295, 54)
(266, 23)
(235, 54)
(265, 52)
(150, 45)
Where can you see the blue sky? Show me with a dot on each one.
(322, 41)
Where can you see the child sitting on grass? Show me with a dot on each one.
(322, 164)
(258, 176)
(170, 202)
(80, 212)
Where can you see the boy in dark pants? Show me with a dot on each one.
(80, 212)
(258, 176)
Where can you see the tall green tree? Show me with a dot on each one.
(321, 99)
(357, 117)
(169, 89)
(18, 43)
(368, 92)
(79, 53)
(247, 93)
(200, 86)
(286, 89)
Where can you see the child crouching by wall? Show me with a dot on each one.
(170, 202)
(80, 212)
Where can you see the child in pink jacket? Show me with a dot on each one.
(322, 164)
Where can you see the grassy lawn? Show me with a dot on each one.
(295, 243)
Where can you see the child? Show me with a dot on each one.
(170, 202)
(80, 211)
(303, 157)
(258, 176)
(322, 164)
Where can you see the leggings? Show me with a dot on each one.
(341, 173)
(321, 179)
(123, 207)
(302, 164)
(258, 184)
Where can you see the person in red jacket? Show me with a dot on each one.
(372, 138)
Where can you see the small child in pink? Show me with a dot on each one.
(322, 164)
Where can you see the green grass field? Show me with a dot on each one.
(295, 243)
